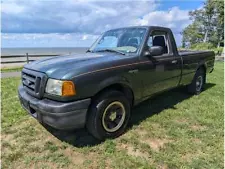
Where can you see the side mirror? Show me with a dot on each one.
(156, 50)
(153, 51)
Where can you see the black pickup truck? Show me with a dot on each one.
(97, 89)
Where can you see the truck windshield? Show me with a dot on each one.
(125, 40)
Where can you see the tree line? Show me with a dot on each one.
(207, 27)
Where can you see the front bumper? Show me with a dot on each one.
(60, 115)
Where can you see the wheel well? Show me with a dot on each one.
(203, 68)
(127, 91)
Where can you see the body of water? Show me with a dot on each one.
(42, 51)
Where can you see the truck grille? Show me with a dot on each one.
(34, 82)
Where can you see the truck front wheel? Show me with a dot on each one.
(108, 115)
(198, 82)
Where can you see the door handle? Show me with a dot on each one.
(174, 61)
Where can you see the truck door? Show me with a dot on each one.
(161, 72)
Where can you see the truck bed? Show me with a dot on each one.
(191, 61)
(192, 52)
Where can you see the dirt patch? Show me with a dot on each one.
(7, 142)
(49, 165)
(163, 166)
(156, 144)
(197, 127)
(187, 157)
(79, 159)
(155, 125)
(133, 152)
(142, 132)
(7, 138)
(35, 165)
(196, 140)
(75, 157)
(181, 121)
(190, 156)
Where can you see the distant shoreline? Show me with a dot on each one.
(38, 47)
(42, 51)
(16, 57)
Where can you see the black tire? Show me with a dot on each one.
(198, 83)
(100, 107)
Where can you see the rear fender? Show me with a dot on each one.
(202, 64)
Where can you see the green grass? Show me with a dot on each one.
(15, 69)
(172, 130)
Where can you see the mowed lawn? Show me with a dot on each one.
(172, 130)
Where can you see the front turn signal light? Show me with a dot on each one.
(68, 88)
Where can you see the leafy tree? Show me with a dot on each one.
(193, 34)
(219, 10)
(207, 25)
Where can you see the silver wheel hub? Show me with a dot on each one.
(199, 83)
(113, 116)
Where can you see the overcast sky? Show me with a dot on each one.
(76, 23)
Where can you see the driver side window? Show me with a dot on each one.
(159, 39)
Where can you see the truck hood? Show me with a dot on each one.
(65, 67)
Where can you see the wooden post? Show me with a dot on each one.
(27, 57)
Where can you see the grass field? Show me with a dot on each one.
(15, 69)
(173, 130)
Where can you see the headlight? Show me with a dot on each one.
(60, 88)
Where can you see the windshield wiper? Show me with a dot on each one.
(111, 50)
(89, 51)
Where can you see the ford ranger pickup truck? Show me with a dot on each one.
(98, 89)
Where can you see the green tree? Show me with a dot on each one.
(193, 34)
(207, 25)
(219, 10)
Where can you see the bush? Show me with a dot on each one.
(218, 51)
(202, 46)
(207, 46)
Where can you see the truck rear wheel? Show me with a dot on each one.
(198, 82)
(108, 115)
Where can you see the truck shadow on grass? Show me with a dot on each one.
(146, 109)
